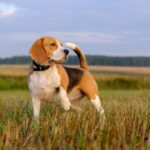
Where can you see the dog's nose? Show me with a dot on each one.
(66, 51)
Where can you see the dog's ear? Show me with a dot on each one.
(37, 52)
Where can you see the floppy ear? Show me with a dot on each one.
(37, 52)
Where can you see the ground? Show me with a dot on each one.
(127, 124)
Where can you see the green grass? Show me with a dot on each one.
(104, 82)
(125, 82)
(13, 82)
(127, 123)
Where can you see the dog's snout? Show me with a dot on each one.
(66, 51)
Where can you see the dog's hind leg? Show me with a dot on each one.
(97, 104)
(90, 89)
(95, 100)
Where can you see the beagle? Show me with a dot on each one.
(53, 82)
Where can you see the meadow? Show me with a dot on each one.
(125, 96)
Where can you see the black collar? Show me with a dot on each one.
(38, 67)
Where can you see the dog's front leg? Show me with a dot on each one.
(36, 103)
(64, 100)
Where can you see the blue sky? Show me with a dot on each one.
(110, 27)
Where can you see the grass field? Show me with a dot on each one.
(127, 123)
(17, 70)
(107, 77)
(127, 111)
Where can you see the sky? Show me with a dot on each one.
(99, 27)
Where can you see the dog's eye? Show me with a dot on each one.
(53, 44)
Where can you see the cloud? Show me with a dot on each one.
(20, 43)
(80, 37)
(101, 26)
(7, 9)
(87, 37)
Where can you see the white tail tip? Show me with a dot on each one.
(71, 45)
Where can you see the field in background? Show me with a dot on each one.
(14, 70)
(125, 96)
(107, 77)
(17, 70)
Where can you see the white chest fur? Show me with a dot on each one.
(43, 84)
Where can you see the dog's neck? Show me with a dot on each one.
(38, 67)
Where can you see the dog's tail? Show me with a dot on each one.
(81, 56)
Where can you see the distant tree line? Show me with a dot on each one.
(92, 60)
(16, 60)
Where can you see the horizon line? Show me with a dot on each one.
(103, 55)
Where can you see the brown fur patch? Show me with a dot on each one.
(50, 45)
(63, 75)
(89, 86)
(38, 53)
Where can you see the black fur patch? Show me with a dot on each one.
(75, 76)
(57, 89)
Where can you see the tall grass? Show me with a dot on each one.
(125, 98)
(127, 123)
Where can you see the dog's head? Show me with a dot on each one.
(47, 50)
